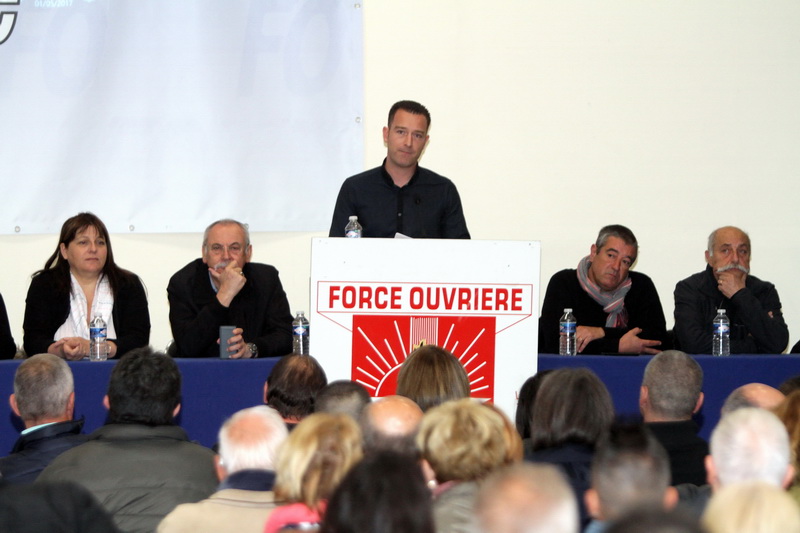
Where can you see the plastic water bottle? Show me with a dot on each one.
(721, 340)
(566, 334)
(98, 339)
(353, 229)
(300, 334)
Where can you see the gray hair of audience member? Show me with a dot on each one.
(750, 444)
(629, 468)
(342, 396)
(527, 498)
(655, 519)
(620, 232)
(749, 395)
(227, 222)
(390, 424)
(431, 375)
(42, 386)
(674, 382)
(754, 507)
(250, 439)
(712, 237)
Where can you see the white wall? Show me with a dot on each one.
(556, 118)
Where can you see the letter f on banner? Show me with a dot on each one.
(7, 20)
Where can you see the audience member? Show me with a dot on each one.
(400, 196)
(790, 385)
(753, 507)
(224, 288)
(248, 446)
(292, 386)
(8, 348)
(342, 396)
(617, 310)
(752, 395)
(630, 469)
(656, 520)
(51, 507)
(139, 465)
(752, 305)
(430, 376)
(311, 464)
(44, 399)
(525, 403)
(79, 281)
(462, 442)
(573, 411)
(671, 393)
(384, 493)
(789, 413)
(527, 498)
(390, 424)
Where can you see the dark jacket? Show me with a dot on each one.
(37, 449)
(260, 309)
(8, 349)
(139, 473)
(46, 309)
(697, 299)
(687, 452)
(564, 290)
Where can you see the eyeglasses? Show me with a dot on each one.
(233, 249)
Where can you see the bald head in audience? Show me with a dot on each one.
(752, 395)
(390, 424)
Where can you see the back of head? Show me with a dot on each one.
(315, 458)
(790, 385)
(391, 424)
(789, 413)
(343, 396)
(655, 520)
(464, 440)
(630, 468)
(384, 492)
(750, 444)
(527, 498)
(752, 395)
(754, 507)
(145, 388)
(572, 405)
(674, 382)
(525, 402)
(42, 387)
(431, 376)
(293, 384)
(250, 439)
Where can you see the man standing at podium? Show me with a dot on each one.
(400, 196)
(617, 310)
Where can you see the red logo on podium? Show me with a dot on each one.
(382, 342)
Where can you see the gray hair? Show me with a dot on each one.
(674, 382)
(342, 396)
(750, 444)
(527, 498)
(250, 439)
(42, 385)
(227, 222)
(713, 237)
(620, 232)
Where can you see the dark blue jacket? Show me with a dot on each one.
(35, 450)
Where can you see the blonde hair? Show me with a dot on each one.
(752, 507)
(464, 440)
(315, 458)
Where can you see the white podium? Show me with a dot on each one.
(374, 300)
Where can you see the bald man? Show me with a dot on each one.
(390, 424)
(752, 305)
(753, 395)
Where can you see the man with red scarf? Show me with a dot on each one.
(618, 311)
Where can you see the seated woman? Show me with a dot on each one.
(79, 281)
(430, 376)
(310, 465)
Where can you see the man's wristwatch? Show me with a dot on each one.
(253, 349)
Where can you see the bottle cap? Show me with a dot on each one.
(567, 309)
(353, 217)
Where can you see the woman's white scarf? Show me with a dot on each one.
(77, 323)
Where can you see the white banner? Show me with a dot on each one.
(161, 116)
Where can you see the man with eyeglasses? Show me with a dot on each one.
(224, 288)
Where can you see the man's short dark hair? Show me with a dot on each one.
(342, 396)
(293, 384)
(410, 106)
(674, 382)
(620, 232)
(145, 388)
